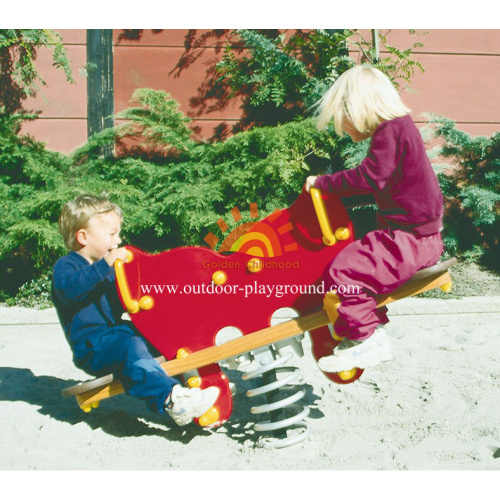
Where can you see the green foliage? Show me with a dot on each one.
(35, 293)
(291, 73)
(19, 77)
(158, 120)
(267, 165)
(279, 76)
(30, 180)
(172, 190)
(471, 190)
(189, 193)
(398, 63)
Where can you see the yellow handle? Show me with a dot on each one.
(324, 223)
(132, 306)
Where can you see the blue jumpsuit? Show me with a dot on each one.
(90, 313)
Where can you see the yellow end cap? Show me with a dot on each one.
(194, 382)
(337, 337)
(209, 417)
(130, 256)
(219, 278)
(87, 408)
(146, 303)
(182, 353)
(447, 287)
(342, 233)
(254, 265)
(95, 404)
(329, 242)
(347, 374)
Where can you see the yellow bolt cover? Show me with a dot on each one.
(95, 404)
(254, 265)
(146, 303)
(86, 408)
(209, 417)
(182, 353)
(219, 278)
(447, 287)
(342, 233)
(194, 382)
(347, 374)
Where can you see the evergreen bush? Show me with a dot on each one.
(472, 193)
(172, 190)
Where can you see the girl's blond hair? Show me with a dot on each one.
(78, 213)
(363, 96)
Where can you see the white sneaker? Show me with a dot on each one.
(186, 403)
(351, 354)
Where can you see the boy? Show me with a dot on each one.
(89, 310)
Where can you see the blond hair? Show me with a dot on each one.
(78, 213)
(362, 96)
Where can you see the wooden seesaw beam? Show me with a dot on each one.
(88, 394)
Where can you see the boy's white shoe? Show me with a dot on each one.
(186, 403)
(351, 354)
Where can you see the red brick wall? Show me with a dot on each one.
(63, 119)
(462, 70)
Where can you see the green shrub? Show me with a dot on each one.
(471, 191)
(35, 293)
(278, 76)
(30, 178)
(171, 189)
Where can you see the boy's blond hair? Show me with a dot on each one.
(78, 213)
(363, 96)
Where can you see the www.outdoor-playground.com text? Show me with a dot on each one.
(277, 291)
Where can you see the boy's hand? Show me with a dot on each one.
(310, 182)
(115, 253)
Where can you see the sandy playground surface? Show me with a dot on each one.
(435, 407)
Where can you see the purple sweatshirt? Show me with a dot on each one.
(399, 174)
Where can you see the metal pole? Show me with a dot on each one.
(376, 46)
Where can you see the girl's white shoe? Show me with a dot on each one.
(351, 354)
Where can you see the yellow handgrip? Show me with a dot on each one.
(324, 223)
(132, 306)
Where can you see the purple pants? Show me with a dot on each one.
(379, 263)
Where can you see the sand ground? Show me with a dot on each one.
(435, 407)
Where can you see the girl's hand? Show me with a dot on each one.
(310, 182)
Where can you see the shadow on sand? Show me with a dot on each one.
(123, 416)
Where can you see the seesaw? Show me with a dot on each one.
(220, 310)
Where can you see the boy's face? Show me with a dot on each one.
(101, 236)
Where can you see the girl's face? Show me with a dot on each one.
(101, 236)
(352, 132)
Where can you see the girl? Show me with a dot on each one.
(363, 103)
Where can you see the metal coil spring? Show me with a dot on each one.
(269, 372)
